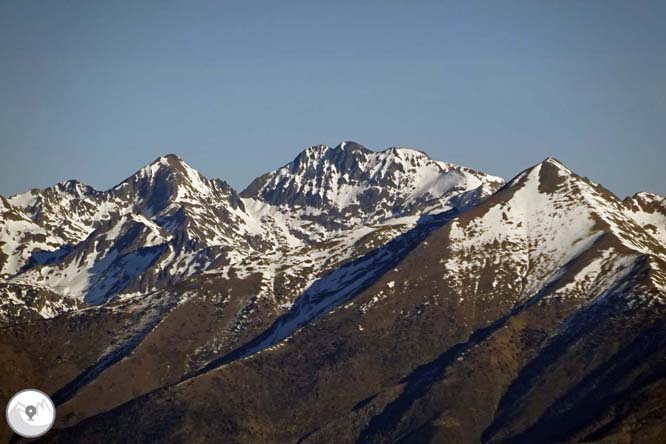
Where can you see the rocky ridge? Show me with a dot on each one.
(349, 296)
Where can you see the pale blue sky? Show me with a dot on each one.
(94, 90)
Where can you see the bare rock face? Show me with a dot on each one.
(350, 296)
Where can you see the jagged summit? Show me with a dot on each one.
(550, 166)
(73, 186)
(647, 198)
(193, 223)
(174, 169)
(312, 160)
(325, 192)
(351, 145)
(553, 160)
(169, 168)
(352, 181)
(178, 221)
(171, 157)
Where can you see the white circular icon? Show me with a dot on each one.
(30, 413)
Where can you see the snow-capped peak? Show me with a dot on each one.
(564, 189)
(352, 180)
(168, 183)
(169, 165)
(168, 168)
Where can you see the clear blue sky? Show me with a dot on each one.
(93, 90)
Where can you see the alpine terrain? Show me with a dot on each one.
(349, 296)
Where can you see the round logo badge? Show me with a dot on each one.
(30, 413)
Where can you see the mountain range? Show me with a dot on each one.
(350, 296)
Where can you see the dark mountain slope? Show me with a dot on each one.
(181, 272)
(533, 317)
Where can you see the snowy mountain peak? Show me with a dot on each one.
(566, 192)
(168, 183)
(546, 219)
(169, 167)
(171, 162)
(645, 199)
(342, 156)
(350, 179)
(549, 174)
(501, 292)
(72, 188)
(69, 189)
(551, 162)
(171, 157)
(352, 146)
(169, 221)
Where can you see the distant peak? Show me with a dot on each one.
(72, 184)
(319, 148)
(169, 167)
(72, 187)
(169, 159)
(554, 164)
(646, 199)
(553, 160)
(171, 162)
(348, 145)
(646, 195)
(310, 153)
(548, 170)
(343, 153)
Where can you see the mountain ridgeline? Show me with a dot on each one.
(350, 296)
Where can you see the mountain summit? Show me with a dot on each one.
(352, 181)
(167, 221)
(349, 296)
